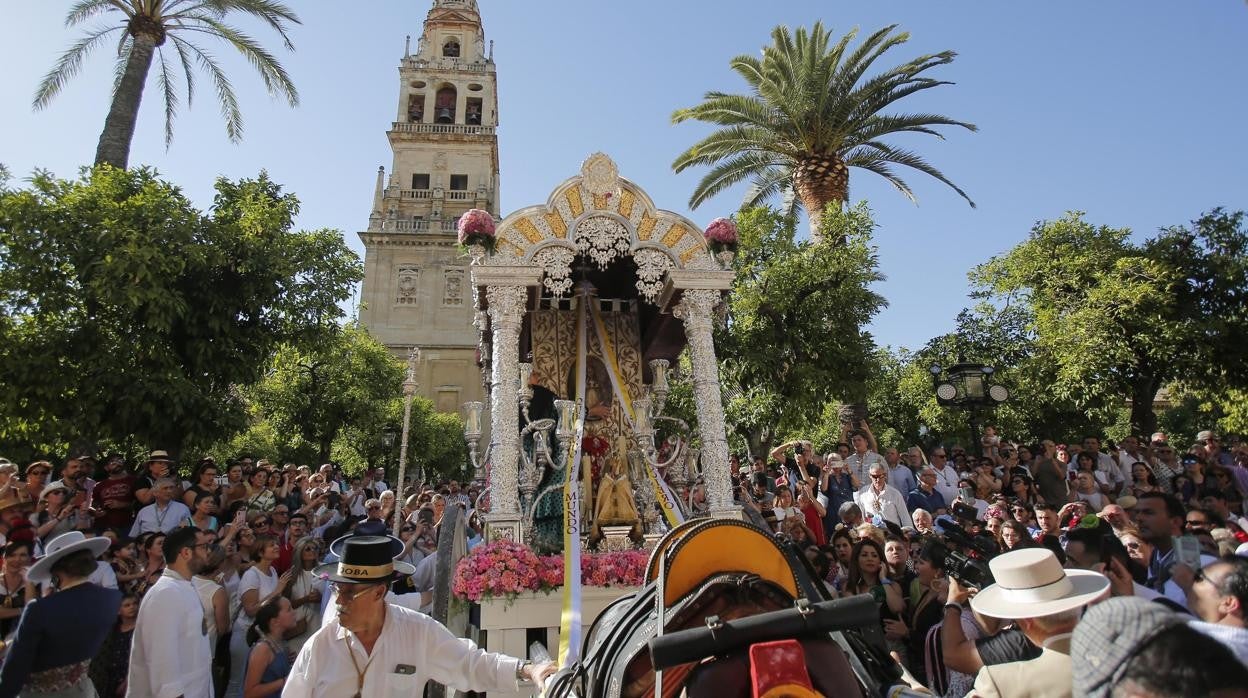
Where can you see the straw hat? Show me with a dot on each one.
(1031, 583)
(52, 487)
(61, 546)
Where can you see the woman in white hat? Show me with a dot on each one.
(59, 634)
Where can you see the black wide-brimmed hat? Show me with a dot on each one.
(365, 560)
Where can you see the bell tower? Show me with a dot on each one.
(416, 290)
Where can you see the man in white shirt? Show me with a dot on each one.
(170, 656)
(946, 474)
(1106, 463)
(374, 649)
(883, 499)
(164, 514)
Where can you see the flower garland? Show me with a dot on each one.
(721, 235)
(504, 569)
(476, 227)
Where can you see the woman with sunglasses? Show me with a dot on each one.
(305, 590)
(37, 478)
(1023, 490)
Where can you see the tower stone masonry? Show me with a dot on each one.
(417, 290)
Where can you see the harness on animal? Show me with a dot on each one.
(729, 610)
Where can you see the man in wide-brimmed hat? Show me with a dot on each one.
(158, 465)
(374, 649)
(1046, 602)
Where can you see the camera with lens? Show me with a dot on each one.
(966, 556)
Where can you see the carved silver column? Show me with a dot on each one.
(696, 310)
(507, 305)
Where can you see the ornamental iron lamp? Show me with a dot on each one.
(968, 386)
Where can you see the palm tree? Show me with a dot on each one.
(146, 26)
(810, 117)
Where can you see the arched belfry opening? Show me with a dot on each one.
(451, 48)
(444, 109)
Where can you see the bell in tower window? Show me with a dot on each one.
(472, 111)
(445, 110)
(451, 48)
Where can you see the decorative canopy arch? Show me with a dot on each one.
(603, 216)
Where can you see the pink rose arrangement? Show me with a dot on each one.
(501, 568)
(476, 227)
(721, 234)
(505, 569)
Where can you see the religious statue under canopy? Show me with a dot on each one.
(615, 505)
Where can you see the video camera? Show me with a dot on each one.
(966, 556)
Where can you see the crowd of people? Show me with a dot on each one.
(242, 540)
(928, 532)
(985, 568)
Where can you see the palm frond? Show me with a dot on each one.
(188, 71)
(276, 80)
(225, 91)
(123, 59)
(729, 172)
(883, 124)
(771, 181)
(83, 10)
(169, 92)
(67, 66)
(723, 143)
(275, 14)
(912, 160)
(879, 166)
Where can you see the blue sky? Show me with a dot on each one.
(1131, 111)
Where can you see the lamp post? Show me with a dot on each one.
(968, 386)
(409, 390)
(388, 436)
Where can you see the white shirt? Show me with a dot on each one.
(411, 650)
(103, 575)
(263, 586)
(947, 482)
(153, 518)
(889, 504)
(169, 655)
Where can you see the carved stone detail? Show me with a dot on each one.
(408, 285)
(599, 175)
(453, 287)
(602, 239)
(651, 266)
(556, 262)
(507, 305)
(696, 310)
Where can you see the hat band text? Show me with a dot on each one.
(365, 571)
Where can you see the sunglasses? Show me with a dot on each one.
(261, 522)
(878, 477)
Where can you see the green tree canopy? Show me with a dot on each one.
(336, 400)
(141, 29)
(129, 316)
(794, 337)
(812, 113)
(1120, 320)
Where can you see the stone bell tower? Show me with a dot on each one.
(416, 289)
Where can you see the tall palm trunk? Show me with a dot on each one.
(114, 147)
(820, 181)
